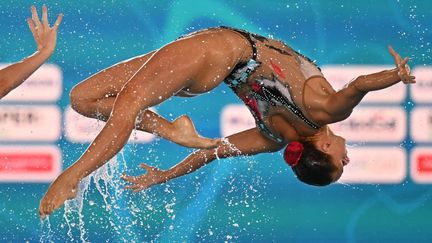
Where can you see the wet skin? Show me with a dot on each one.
(197, 65)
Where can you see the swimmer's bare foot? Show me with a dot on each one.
(186, 135)
(62, 189)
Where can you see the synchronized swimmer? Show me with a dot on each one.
(287, 94)
(289, 97)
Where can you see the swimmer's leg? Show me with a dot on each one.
(150, 86)
(95, 97)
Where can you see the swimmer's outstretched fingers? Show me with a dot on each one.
(404, 70)
(152, 177)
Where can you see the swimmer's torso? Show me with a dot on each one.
(271, 82)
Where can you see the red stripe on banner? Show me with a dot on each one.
(18, 163)
(424, 164)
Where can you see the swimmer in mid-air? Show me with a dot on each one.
(287, 94)
(45, 37)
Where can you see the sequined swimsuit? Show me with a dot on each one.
(264, 93)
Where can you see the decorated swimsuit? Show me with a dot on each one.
(264, 93)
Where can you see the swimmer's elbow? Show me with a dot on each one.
(340, 105)
(275, 148)
(269, 147)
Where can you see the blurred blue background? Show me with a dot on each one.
(236, 200)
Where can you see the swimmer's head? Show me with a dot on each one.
(322, 158)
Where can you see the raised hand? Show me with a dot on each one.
(404, 70)
(44, 35)
(152, 177)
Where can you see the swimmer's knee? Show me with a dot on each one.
(78, 100)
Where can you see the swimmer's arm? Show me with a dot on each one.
(340, 105)
(246, 143)
(384, 79)
(45, 38)
(249, 142)
(15, 74)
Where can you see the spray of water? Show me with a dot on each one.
(46, 237)
(107, 184)
(240, 199)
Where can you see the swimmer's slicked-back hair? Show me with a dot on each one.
(314, 167)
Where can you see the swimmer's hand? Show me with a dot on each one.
(153, 176)
(404, 70)
(44, 35)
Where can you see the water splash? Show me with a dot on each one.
(130, 220)
(49, 233)
(75, 206)
(107, 183)
(242, 197)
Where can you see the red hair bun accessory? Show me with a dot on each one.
(293, 152)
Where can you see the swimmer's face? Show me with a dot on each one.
(339, 154)
(334, 146)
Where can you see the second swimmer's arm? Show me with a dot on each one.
(249, 142)
(45, 38)
(15, 74)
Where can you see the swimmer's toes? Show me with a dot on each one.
(42, 208)
(53, 207)
(48, 209)
(56, 206)
(43, 212)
